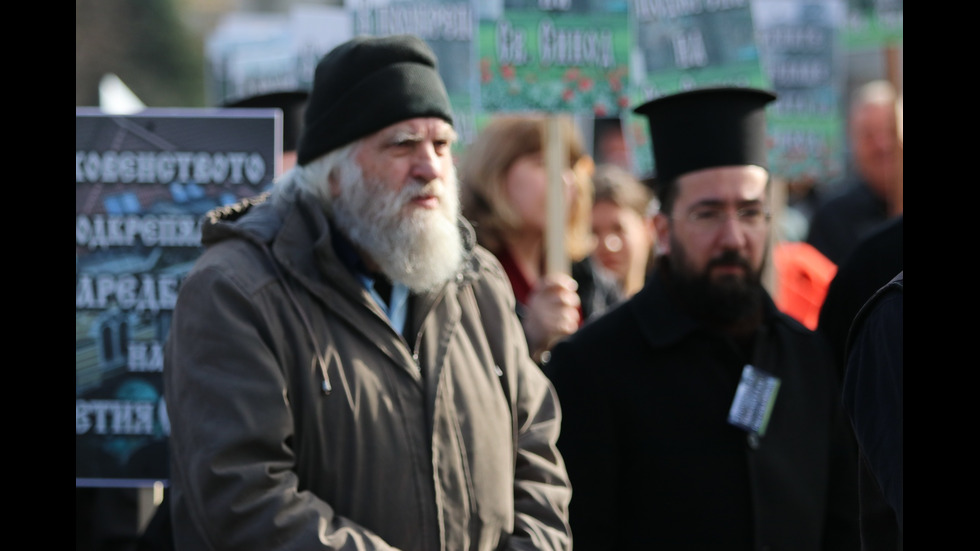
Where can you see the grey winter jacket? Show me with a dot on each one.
(444, 441)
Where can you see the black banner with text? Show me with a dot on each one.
(142, 184)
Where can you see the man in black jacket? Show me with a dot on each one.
(872, 192)
(872, 263)
(874, 401)
(696, 415)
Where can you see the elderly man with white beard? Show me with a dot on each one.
(345, 369)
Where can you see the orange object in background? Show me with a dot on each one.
(803, 275)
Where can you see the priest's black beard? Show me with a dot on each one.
(723, 303)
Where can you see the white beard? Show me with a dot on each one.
(420, 248)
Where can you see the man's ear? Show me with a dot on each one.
(662, 224)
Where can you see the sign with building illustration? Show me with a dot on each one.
(142, 184)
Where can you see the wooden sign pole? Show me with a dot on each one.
(556, 256)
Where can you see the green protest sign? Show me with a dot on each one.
(553, 61)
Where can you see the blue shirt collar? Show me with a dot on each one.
(397, 311)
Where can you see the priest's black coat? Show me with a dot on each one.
(645, 393)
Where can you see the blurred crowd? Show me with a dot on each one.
(613, 224)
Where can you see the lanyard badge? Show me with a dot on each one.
(753, 401)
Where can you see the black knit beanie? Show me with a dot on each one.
(366, 84)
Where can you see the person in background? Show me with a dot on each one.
(622, 224)
(504, 183)
(292, 103)
(344, 368)
(611, 146)
(871, 264)
(802, 276)
(695, 415)
(874, 399)
(868, 268)
(871, 194)
(874, 260)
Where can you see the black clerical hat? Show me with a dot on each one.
(705, 128)
(292, 103)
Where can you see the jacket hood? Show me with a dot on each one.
(230, 221)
